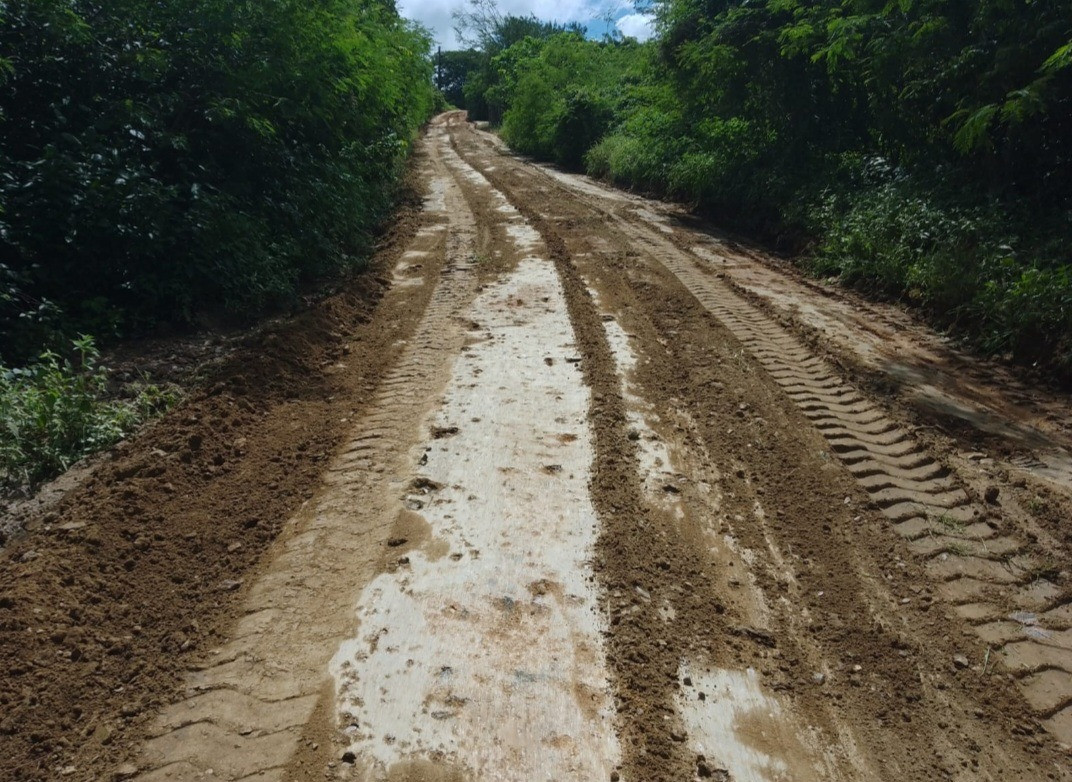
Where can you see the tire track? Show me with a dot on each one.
(987, 573)
(978, 570)
(247, 707)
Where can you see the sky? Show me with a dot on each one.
(436, 15)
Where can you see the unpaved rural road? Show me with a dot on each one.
(614, 499)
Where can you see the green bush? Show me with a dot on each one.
(893, 240)
(626, 160)
(581, 121)
(1028, 314)
(562, 93)
(960, 263)
(921, 150)
(641, 152)
(162, 158)
(57, 410)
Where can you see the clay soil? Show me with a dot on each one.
(870, 524)
(107, 594)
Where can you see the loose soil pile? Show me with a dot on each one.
(108, 595)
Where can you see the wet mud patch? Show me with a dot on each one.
(638, 553)
(409, 531)
(490, 659)
(855, 619)
(426, 771)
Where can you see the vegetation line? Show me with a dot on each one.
(917, 150)
(161, 161)
(166, 159)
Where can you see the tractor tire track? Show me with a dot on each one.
(995, 578)
(248, 705)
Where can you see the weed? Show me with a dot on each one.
(950, 523)
(57, 410)
(1045, 570)
(1036, 505)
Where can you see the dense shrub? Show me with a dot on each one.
(554, 112)
(1028, 312)
(479, 73)
(964, 263)
(57, 410)
(163, 157)
(921, 149)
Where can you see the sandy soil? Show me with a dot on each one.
(572, 488)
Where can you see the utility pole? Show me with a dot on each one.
(439, 69)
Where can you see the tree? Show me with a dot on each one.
(161, 157)
(482, 26)
(455, 68)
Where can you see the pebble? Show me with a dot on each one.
(102, 734)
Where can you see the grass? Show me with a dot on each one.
(950, 523)
(1036, 505)
(1046, 570)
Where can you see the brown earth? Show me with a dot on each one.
(108, 594)
(871, 522)
(921, 717)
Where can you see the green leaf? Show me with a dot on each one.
(973, 133)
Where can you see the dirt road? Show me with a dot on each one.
(591, 493)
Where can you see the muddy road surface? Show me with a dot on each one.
(582, 491)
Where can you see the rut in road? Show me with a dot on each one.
(985, 570)
(250, 701)
(577, 533)
(480, 650)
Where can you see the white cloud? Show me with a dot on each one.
(436, 14)
(639, 26)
